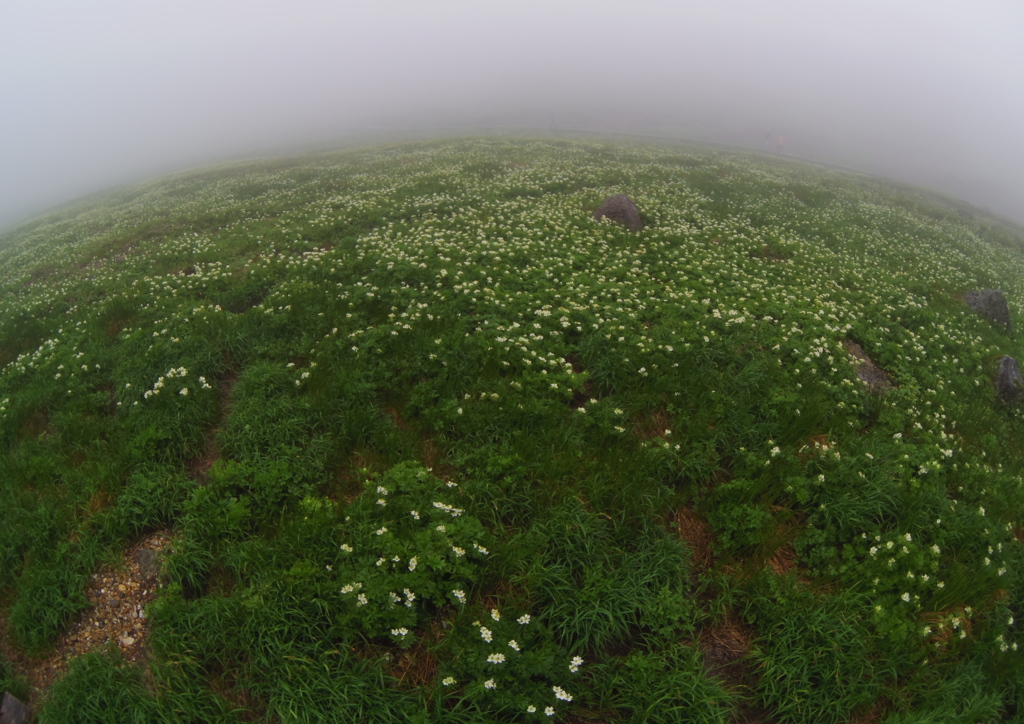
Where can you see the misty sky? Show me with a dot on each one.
(105, 92)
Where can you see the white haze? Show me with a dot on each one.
(102, 93)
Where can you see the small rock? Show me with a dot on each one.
(149, 562)
(990, 304)
(621, 209)
(126, 640)
(13, 711)
(1009, 383)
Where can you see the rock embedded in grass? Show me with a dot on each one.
(1009, 382)
(13, 711)
(877, 380)
(149, 562)
(990, 304)
(620, 209)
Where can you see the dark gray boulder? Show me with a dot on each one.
(1009, 383)
(620, 209)
(13, 711)
(149, 562)
(990, 304)
(874, 377)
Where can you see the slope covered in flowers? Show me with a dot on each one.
(433, 444)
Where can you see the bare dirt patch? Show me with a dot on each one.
(117, 617)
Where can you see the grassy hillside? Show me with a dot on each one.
(415, 438)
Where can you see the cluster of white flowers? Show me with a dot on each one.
(174, 372)
(451, 510)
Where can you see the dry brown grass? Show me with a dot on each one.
(725, 646)
(37, 425)
(697, 535)
(872, 715)
(417, 666)
(652, 425)
(783, 560)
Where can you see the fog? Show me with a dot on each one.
(104, 93)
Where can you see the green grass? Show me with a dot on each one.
(423, 428)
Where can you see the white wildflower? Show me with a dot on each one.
(561, 693)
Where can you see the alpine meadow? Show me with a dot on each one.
(408, 434)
